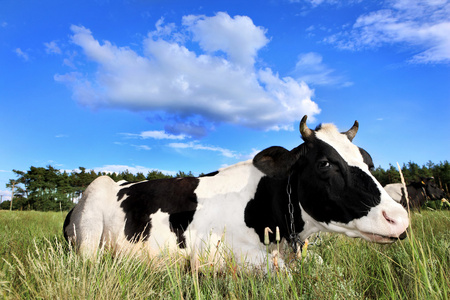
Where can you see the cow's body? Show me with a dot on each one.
(418, 192)
(329, 184)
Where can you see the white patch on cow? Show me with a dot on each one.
(161, 237)
(218, 223)
(349, 151)
(387, 219)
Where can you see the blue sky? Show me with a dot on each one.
(198, 85)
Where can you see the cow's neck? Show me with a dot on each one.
(270, 208)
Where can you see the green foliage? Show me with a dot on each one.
(49, 189)
(413, 172)
(37, 264)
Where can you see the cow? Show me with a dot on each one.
(324, 184)
(418, 192)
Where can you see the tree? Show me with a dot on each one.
(139, 177)
(181, 174)
(12, 183)
(154, 174)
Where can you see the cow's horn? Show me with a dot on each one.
(352, 131)
(307, 134)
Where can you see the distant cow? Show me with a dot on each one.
(324, 184)
(418, 192)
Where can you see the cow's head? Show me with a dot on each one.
(432, 190)
(334, 185)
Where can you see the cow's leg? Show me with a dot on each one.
(266, 262)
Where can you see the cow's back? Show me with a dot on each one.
(395, 191)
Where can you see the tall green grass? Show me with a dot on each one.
(36, 263)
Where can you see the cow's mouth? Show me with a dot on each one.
(382, 239)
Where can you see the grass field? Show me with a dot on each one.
(36, 264)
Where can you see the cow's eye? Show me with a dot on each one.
(324, 164)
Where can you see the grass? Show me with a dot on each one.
(37, 264)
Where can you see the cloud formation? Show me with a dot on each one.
(155, 134)
(219, 83)
(197, 146)
(22, 54)
(238, 37)
(424, 24)
(6, 195)
(141, 147)
(311, 69)
(52, 47)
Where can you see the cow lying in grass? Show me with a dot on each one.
(324, 184)
(418, 192)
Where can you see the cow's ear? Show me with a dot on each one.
(367, 158)
(275, 161)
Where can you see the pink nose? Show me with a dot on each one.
(397, 225)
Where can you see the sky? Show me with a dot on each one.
(199, 85)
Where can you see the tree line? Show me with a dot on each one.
(50, 189)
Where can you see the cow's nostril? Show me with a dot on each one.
(391, 221)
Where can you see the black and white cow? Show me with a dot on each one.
(418, 192)
(330, 187)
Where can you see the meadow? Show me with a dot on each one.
(37, 264)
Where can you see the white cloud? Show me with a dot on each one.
(69, 63)
(156, 134)
(61, 135)
(6, 195)
(311, 69)
(21, 54)
(197, 146)
(251, 155)
(315, 3)
(192, 88)
(424, 25)
(142, 147)
(238, 37)
(52, 47)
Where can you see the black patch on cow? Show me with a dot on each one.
(174, 196)
(419, 192)
(178, 223)
(416, 194)
(66, 223)
(432, 190)
(269, 208)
